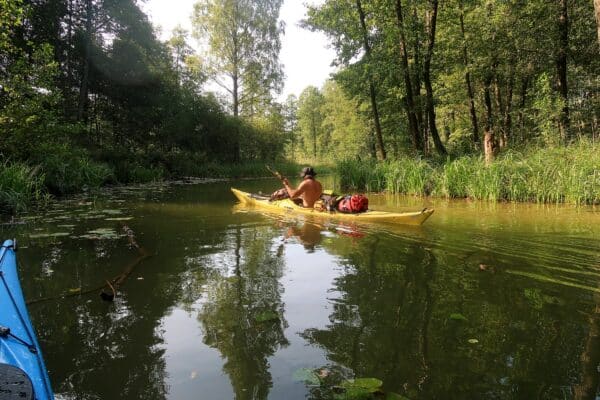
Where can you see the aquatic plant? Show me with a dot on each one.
(544, 175)
(20, 186)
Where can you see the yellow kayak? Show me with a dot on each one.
(287, 205)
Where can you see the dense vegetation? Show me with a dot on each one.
(89, 95)
(553, 175)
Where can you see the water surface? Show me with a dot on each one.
(485, 300)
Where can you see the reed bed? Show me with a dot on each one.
(20, 187)
(551, 175)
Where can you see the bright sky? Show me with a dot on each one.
(304, 54)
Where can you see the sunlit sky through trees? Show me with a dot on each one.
(304, 54)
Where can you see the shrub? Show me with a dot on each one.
(20, 186)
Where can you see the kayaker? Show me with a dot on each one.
(309, 190)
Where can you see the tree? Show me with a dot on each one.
(346, 127)
(310, 120)
(180, 50)
(243, 38)
(290, 117)
(597, 13)
(372, 93)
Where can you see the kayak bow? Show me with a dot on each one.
(23, 374)
(287, 205)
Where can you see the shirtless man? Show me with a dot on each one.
(309, 189)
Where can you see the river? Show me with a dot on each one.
(483, 301)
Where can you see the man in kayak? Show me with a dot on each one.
(309, 189)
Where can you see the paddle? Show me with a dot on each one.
(275, 173)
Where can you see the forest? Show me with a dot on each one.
(487, 99)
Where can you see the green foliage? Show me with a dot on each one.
(243, 38)
(345, 127)
(312, 137)
(67, 170)
(547, 106)
(20, 186)
(483, 49)
(544, 175)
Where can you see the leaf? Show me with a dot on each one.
(370, 384)
(47, 235)
(458, 317)
(395, 396)
(473, 341)
(75, 290)
(306, 375)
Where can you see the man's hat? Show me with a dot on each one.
(307, 171)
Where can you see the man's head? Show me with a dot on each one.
(308, 172)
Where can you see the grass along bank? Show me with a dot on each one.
(20, 186)
(23, 186)
(553, 175)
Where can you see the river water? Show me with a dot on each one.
(484, 301)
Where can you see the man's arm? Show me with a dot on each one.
(294, 193)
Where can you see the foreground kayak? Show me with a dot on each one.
(407, 218)
(23, 374)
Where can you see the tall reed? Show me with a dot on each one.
(20, 186)
(544, 175)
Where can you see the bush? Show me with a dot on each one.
(20, 186)
(67, 170)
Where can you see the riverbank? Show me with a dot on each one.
(23, 186)
(543, 175)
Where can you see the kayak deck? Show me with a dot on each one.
(18, 344)
(287, 205)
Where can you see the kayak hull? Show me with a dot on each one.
(287, 205)
(24, 352)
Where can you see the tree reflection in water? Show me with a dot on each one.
(243, 316)
(379, 324)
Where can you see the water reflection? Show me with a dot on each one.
(498, 302)
(309, 234)
(379, 324)
(243, 316)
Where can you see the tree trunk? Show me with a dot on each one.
(417, 81)
(470, 93)
(69, 102)
(409, 99)
(489, 141)
(314, 135)
(235, 95)
(372, 93)
(83, 89)
(522, 102)
(507, 131)
(597, 12)
(431, 22)
(499, 110)
(561, 68)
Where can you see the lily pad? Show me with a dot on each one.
(354, 393)
(395, 396)
(371, 385)
(473, 341)
(458, 317)
(112, 212)
(101, 233)
(306, 375)
(48, 235)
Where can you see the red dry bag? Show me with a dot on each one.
(355, 203)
